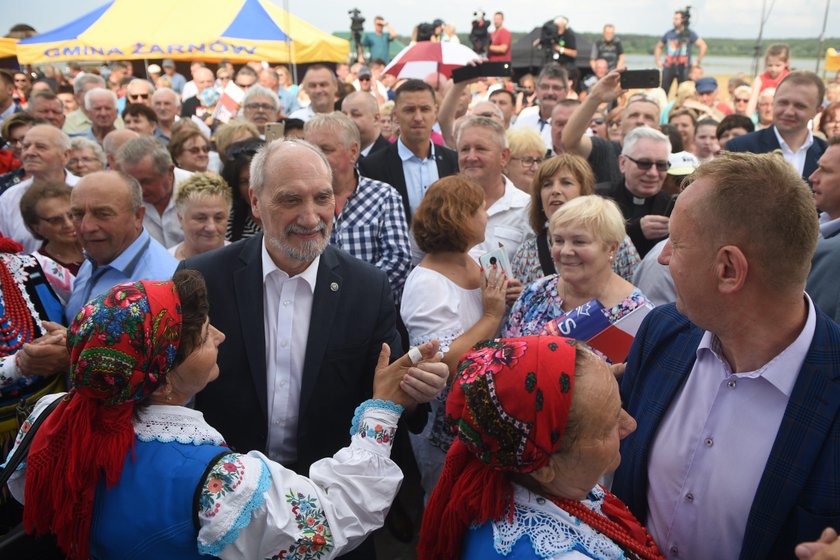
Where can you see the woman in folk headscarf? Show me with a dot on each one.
(122, 467)
(539, 421)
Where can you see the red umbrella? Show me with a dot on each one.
(424, 58)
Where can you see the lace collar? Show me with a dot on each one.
(175, 423)
(551, 530)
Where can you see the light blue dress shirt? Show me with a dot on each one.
(144, 259)
(419, 173)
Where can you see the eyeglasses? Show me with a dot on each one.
(260, 107)
(528, 161)
(364, 78)
(139, 96)
(741, 100)
(196, 149)
(598, 120)
(244, 86)
(57, 220)
(84, 159)
(614, 124)
(646, 164)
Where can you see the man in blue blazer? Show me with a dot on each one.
(797, 101)
(736, 390)
(304, 322)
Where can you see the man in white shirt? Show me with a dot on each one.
(146, 159)
(552, 87)
(321, 86)
(46, 150)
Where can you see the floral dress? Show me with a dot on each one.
(539, 303)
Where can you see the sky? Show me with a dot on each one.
(710, 18)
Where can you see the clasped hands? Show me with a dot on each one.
(408, 384)
(45, 355)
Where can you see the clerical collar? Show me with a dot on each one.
(639, 201)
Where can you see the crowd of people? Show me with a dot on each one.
(218, 300)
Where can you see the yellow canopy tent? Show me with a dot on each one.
(832, 60)
(208, 30)
(8, 47)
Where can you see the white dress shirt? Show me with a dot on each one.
(288, 310)
(797, 158)
(507, 222)
(712, 446)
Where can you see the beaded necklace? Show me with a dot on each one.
(617, 523)
(16, 326)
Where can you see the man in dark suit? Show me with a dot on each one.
(413, 163)
(797, 101)
(363, 110)
(304, 321)
(824, 278)
(736, 391)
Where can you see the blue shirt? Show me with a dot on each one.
(144, 259)
(378, 45)
(419, 173)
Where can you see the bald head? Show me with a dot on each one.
(363, 110)
(113, 142)
(203, 78)
(490, 110)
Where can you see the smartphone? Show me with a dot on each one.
(485, 69)
(640, 79)
(498, 258)
(274, 130)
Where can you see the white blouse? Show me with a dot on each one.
(270, 508)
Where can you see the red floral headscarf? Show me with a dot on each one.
(122, 344)
(509, 405)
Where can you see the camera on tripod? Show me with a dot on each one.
(357, 24)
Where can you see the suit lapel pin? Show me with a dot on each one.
(334, 286)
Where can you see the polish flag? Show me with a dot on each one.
(615, 340)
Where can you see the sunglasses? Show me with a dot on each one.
(740, 100)
(598, 120)
(139, 96)
(646, 164)
(195, 150)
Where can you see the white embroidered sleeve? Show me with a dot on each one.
(251, 507)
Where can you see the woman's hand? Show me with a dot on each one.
(406, 383)
(493, 290)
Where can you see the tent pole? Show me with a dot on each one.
(290, 43)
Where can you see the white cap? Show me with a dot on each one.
(682, 163)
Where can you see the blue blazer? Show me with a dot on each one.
(764, 141)
(799, 492)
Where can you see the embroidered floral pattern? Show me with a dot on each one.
(315, 539)
(377, 432)
(223, 479)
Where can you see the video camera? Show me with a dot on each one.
(549, 33)
(685, 33)
(480, 34)
(357, 24)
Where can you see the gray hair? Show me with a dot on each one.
(554, 71)
(260, 159)
(80, 143)
(62, 141)
(99, 91)
(170, 91)
(149, 87)
(135, 191)
(490, 105)
(640, 133)
(136, 150)
(338, 122)
(257, 90)
(497, 130)
(86, 79)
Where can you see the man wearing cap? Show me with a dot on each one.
(707, 90)
(797, 101)
(178, 80)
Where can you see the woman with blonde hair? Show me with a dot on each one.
(203, 204)
(527, 152)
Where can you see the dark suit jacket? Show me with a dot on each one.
(764, 141)
(824, 279)
(189, 106)
(799, 493)
(386, 166)
(352, 315)
(380, 144)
